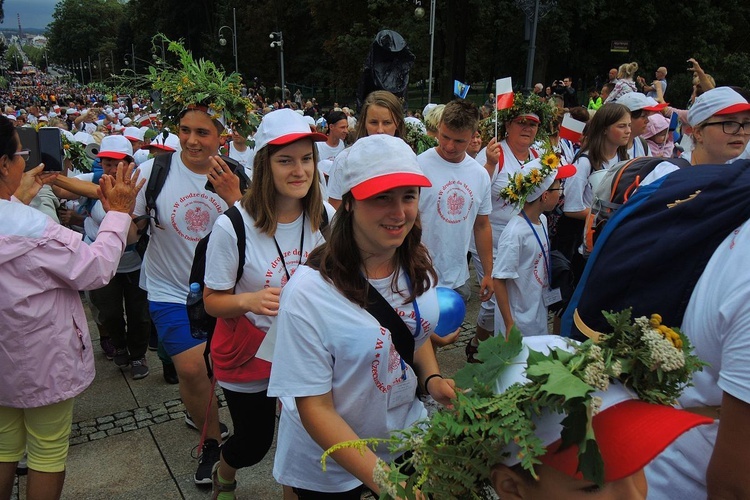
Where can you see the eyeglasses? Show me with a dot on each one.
(24, 153)
(730, 127)
(557, 189)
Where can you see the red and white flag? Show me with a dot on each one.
(504, 93)
(571, 129)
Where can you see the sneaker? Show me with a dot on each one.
(153, 341)
(121, 358)
(210, 455)
(471, 352)
(139, 369)
(218, 487)
(170, 373)
(107, 347)
(222, 426)
(22, 467)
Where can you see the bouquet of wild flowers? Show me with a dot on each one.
(76, 153)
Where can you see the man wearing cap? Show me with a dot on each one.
(458, 203)
(641, 107)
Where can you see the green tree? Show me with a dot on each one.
(83, 28)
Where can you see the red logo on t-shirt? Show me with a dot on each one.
(197, 219)
(452, 203)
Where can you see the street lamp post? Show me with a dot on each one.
(278, 41)
(223, 41)
(432, 47)
(80, 66)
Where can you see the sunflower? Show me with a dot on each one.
(551, 160)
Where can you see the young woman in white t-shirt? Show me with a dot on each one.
(381, 113)
(604, 143)
(282, 215)
(335, 368)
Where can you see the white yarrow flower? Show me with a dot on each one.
(662, 353)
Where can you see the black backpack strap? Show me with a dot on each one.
(325, 228)
(388, 318)
(239, 229)
(156, 181)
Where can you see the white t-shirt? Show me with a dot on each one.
(130, 260)
(638, 149)
(140, 156)
(186, 212)
(326, 343)
(326, 152)
(459, 193)
(502, 210)
(519, 260)
(578, 193)
(717, 322)
(245, 158)
(264, 268)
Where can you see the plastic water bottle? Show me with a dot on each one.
(196, 312)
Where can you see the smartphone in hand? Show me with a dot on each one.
(51, 149)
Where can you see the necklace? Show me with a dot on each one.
(301, 245)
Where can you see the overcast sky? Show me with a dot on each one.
(34, 13)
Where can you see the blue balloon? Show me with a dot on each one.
(452, 311)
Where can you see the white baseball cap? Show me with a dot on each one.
(717, 101)
(115, 146)
(134, 133)
(171, 143)
(635, 101)
(283, 127)
(84, 138)
(380, 162)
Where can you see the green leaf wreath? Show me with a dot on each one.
(418, 140)
(454, 452)
(199, 84)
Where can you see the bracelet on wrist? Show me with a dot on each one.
(427, 381)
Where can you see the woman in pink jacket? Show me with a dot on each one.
(46, 357)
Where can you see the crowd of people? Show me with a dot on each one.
(335, 251)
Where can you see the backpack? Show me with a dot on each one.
(612, 187)
(654, 249)
(196, 312)
(159, 172)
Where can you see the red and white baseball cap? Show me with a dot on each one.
(635, 101)
(532, 117)
(717, 101)
(115, 146)
(134, 133)
(171, 143)
(281, 127)
(377, 163)
(629, 432)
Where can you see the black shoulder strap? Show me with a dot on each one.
(325, 228)
(382, 311)
(156, 181)
(239, 229)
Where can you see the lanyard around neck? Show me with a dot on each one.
(547, 263)
(301, 245)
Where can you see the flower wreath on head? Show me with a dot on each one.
(521, 105)
(453, 454)
(521, 185)
(199, 85)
